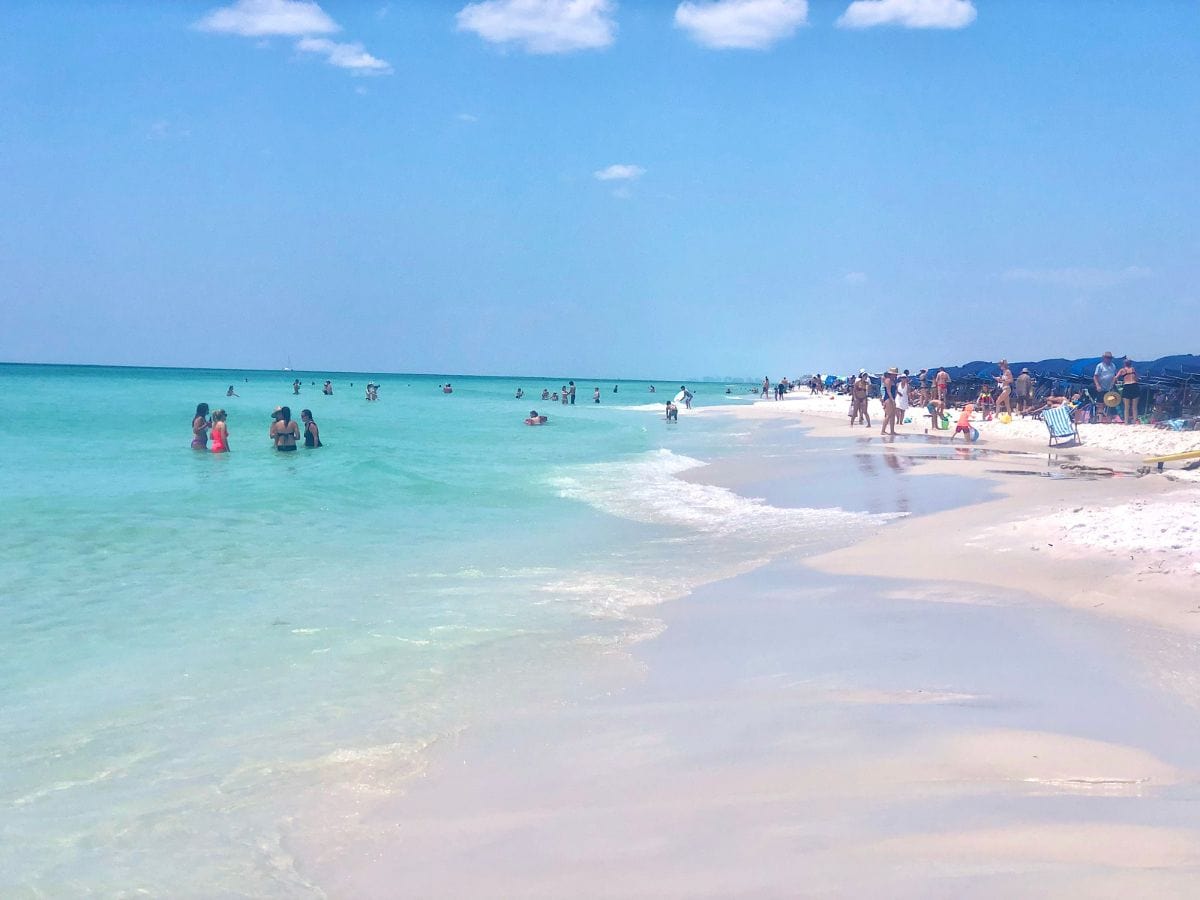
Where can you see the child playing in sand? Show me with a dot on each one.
(984, 401)
(964, 422)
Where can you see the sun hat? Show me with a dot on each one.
(893, 371)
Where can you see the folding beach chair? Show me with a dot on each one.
(1061, 425)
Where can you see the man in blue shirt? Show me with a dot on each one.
(1102, 379)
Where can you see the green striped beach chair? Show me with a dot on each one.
(1060, 422)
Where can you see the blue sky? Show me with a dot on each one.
(612, 189)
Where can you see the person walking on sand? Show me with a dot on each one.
(200, 426)
(1024, 391)
(1131, 391)
(941, 384)
(1103, 378)
(1004, 382)
(860, 390)
(220, 432)
(902, 400)
(887, 393)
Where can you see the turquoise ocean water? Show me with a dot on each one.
(211, 660)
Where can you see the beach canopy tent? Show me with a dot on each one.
(1185, 365)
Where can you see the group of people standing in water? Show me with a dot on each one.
(285, 433)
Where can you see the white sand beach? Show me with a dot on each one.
(991, 700)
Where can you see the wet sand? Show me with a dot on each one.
(944, 709)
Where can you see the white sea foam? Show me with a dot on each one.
(646, 489)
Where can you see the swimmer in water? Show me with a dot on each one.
(535, 419)
(200, 426)
(312, 434)
(230, 392)
(220, 432)
(284, 431)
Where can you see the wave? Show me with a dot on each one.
(647, 489)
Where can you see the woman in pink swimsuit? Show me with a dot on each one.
(220, 432)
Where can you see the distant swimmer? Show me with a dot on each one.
(564, 396)
(446, 389)
(284, 431)
(614, 388)
(546, 393)
(231, 392)
(672, 412)
(652, 389)
(571, 391)
(520, 393)
(312, 434)
(327, 389)
(535, 419)
(554, 397)
(595, 395)
(220, 432)
(200, 426)
(296, 386)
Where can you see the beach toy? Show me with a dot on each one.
(1111, 399)
(945, 422)
(908, 421)
(1006, 418)
(974, 434)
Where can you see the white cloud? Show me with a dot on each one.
(301, 19)
(466, 117)
(619, 172)
(1078, 278)
(908, 13)
(742, 24)
(260, 18)
(345, 56)
(542, 26)
(855, 278)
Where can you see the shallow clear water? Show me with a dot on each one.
(203, 653)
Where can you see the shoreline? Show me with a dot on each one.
(1089, 543)
(639, 789)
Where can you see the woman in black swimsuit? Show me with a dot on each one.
(312, 434)
(1131, 391)
(284, 431)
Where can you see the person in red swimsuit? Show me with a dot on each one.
(220, 432)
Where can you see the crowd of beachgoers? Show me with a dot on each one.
(1115, 394)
